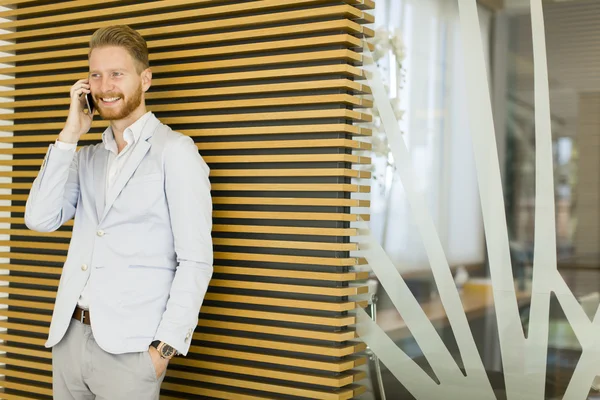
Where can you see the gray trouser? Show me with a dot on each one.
(81, 370)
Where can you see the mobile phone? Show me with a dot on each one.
(89, 100)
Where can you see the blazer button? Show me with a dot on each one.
(84, 267)
(100, 233)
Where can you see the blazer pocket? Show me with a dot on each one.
(145, 178)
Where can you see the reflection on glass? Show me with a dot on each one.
(418, 51)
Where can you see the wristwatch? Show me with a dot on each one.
(164, 349)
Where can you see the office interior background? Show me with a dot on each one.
(326, 282)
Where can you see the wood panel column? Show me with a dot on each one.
(270, 92)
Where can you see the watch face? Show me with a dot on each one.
(167, 351)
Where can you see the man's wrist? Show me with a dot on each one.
(67, 137)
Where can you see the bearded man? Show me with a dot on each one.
(140, 257)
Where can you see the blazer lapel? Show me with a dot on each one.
(138, 153)
(100, 162)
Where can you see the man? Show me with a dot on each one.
(140, 257)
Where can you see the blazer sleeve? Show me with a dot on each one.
(52, 200)
(189, 201)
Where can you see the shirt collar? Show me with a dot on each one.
(131, 134)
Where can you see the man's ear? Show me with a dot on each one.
(146, 79)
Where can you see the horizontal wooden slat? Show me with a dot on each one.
(236, 49)
(342, 350)
(333, 366)
(283, 201)
(25, 375)
(30, 268)
(272, 330)
(285, 244)
(259, 19)
(204, 119)
(26, 316)
(290, 187)
(29, 292)
(289, 259)
(15, 2)
(277, 316)
(219, 105)
(290, 230)
(342, 366)
(246, 49)
(33, 257)
(306, 216)
(221, 78)
(212, 393)
(264, 33)
(232, 395)
(275, 258)
(25, 387)
(353, 159)
(27, 232)
(326, 276)
(336, 382)
(278, 287)
(264, 89)
(283, 230)
(278, 32)
(262, 187)
(64, 6)
(280, 244)
(28, 352)
(126, 10)
(248, 228)
(291, 303)
(238, 145)
(114, 11)
(6, 396)
(245, 173)
(26, 364)
(276, 273)
(267, 301)
(51, 7)
(31, 281)
(265, 329)
(333, 394)
(236, 284)
(345, 350)
(292, 158)
(220, 132)
(28, 304)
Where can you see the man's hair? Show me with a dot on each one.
(122, 36)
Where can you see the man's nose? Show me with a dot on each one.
(106, 85)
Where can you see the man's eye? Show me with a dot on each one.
(117, 74)
(95, 76)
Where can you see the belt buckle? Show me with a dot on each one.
(82, 318)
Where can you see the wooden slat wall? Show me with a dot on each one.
(271, 92)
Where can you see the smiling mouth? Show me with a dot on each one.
(110, 100)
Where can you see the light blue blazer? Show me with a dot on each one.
(147, 250)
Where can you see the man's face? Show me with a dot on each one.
(115, 82)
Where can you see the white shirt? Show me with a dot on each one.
(114, 166)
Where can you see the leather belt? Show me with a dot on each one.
(82, 315)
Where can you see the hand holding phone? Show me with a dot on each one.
(78, 122)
